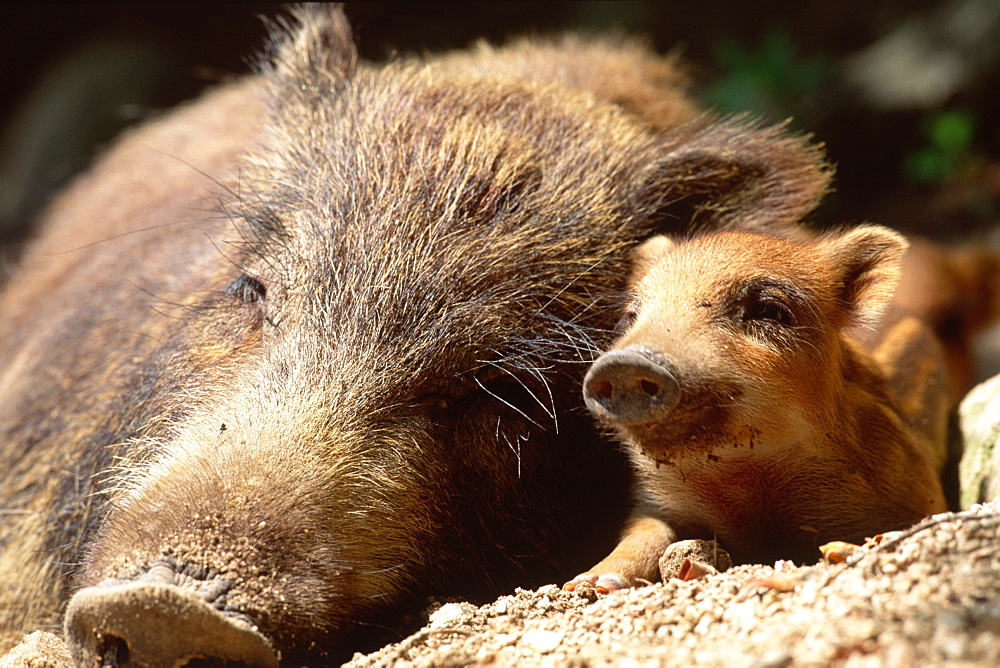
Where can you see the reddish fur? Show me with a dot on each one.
(784, 438)
(248, 344)
(956, 292)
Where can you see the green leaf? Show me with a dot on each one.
(952, 131)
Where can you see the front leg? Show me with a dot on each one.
(635, 559)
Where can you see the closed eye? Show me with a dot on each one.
(628, 319)
(247, 289)
(768, 309)
(766, 304)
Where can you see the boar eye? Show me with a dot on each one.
(628, 319)
(768, 309)
(247, 289)
(768, 303)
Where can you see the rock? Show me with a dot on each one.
(690, 559)
(979, 422)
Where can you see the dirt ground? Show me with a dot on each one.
(924, 597)
(928, 596)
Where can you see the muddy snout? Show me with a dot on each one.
(631, 386)
(154, 623)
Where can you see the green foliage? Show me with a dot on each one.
(948, 135)
(772, 81)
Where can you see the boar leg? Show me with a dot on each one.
(635, 559)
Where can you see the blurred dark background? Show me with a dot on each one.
(903, 93)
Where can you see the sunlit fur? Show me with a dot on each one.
(787, 433)
(320, 333)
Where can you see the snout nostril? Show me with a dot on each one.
(649, 387)
(631, 386)
(145, 623)
(112, 652)
(601, 389)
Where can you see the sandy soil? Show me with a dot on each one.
(928, 596)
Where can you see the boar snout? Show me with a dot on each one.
(631, 386)
(151, 622)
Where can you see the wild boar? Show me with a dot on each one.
(309, 348)
(751, 412)
(955, 291)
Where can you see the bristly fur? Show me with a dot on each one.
(779, 431)
(365, 386)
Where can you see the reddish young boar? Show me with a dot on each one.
(307, 349)
(955, 291)
(750, 411)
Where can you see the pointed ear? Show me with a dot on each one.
(867, 262)
(734, 174)
(648, 254)
(311, 53)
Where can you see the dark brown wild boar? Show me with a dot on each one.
(750, 411)
(309, 348)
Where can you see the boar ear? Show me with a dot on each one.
(647, 254)
(867, 263)
(735, 174)
(312, 52)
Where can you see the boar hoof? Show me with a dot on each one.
(601, 583)
(154, 624)
(630, 386)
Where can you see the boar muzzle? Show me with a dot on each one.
(631, 386)
(153, 623)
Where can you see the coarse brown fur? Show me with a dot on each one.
(780, 432)
(312, 342)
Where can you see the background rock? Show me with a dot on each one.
(979, 421)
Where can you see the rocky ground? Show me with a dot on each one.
(927, 596)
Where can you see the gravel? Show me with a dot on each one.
(923, 597)
(928, 596)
